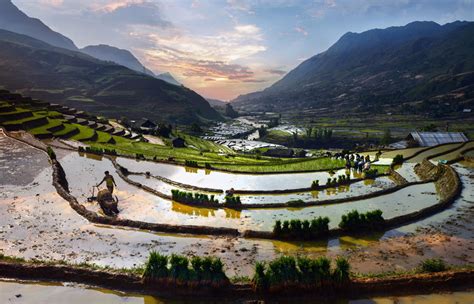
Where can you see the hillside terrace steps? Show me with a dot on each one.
(82, 121)
(17, 114)
(119, 132)
(27, 123)
(7, 108)
(109, 129)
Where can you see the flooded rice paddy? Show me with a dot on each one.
(137, 204)
(345, 191)
(36, 223)
(433, 151)
(55, 293)
(223, 180)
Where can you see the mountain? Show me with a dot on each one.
(216, 103)
(380, 68)
(14, 20)
(125, 58)
(35, 68)
(168, 78)
(116, 55)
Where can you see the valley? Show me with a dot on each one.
(236, 152)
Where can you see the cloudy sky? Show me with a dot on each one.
(223, 48)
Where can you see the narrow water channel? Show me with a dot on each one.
(57, 293)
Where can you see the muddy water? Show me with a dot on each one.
(407, 170)
(35, 222)
(356, 189)
(223, 180)
(140, 205)
(17, 158)
(32, 293)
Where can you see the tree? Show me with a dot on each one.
(387, 137)
(195, 128)
(230, 112)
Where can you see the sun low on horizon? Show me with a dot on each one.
(222, 49)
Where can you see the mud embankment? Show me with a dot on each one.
(127, 282)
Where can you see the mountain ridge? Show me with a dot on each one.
(37, 69)
(14, 20)
(371, 65)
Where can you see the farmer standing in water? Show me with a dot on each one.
(109, 182)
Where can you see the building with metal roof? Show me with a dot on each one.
(429, 139)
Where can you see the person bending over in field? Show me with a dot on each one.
(109, 182)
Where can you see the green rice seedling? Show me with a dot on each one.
(277, 228)
(156, 267)
(259, 280)
(342, 271)
(219, 279)
(285, 228)
(282, 273)
(179, 270)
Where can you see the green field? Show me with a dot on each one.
(201, 151)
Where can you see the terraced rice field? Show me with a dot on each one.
(37, 223)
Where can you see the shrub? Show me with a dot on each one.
(355, 220)
(51, 153)
(208, 166)
(315, 184)
(397, 160)
(190, 198)
(433, 265)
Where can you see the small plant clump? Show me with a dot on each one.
(179, 270)
(371, 174)
(306, 230)
(191, 163)
(98, 151)
(232, 200)
(315, 184)
(433, 265)
(51, 153)
(355, 220)
(300, 273)
(339, 180)
(192, 198)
